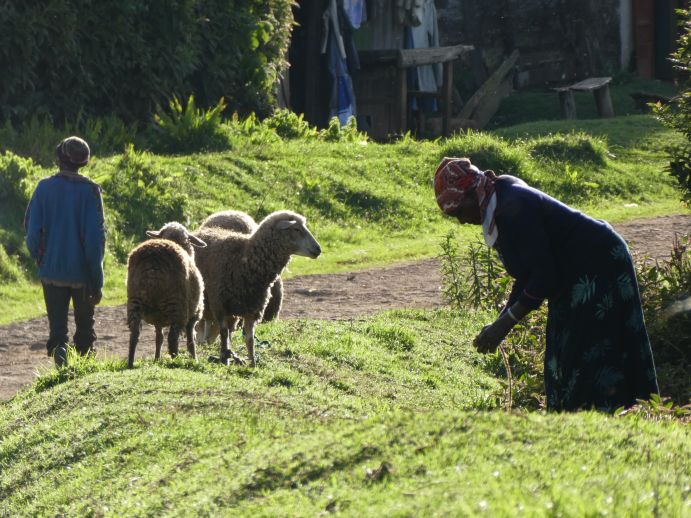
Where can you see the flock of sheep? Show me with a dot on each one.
(226, 272)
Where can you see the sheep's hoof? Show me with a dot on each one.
(238, 360)
(217, 359)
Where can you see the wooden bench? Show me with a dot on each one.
(600, 88)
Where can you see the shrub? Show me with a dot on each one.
(10, 271)
(662, 285)
(677, 114)
(188, 129)
(123, 57)
(290, 125)
(15, 173)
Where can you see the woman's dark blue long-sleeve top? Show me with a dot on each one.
(541, 240)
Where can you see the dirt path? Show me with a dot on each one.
(337, 296)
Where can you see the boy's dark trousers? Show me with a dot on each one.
(58, 304)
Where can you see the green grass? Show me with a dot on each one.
(391, 415)
(369, 204)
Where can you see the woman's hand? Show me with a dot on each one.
(492, 335)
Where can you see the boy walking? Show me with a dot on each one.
(65, 234)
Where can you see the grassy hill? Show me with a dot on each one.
(392, 415)
(367, 203)
(395, 414)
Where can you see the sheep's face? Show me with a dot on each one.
(298, 238)
(178, 234)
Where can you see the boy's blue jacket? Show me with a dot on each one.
(65, 230)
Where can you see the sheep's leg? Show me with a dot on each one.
(191, 347)
(248, 328)
(173, 338)
(159, 342)
(226, 352)
(133, 322)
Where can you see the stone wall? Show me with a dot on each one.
(559, 40)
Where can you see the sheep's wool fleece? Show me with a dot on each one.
(163, 283)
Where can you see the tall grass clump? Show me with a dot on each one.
(574, 147)
(487, 151)
(186, 128)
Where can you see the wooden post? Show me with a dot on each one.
(447, 87)
(603, 101)
(402, 103)
(567, 101)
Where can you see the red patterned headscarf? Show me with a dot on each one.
(457, 178)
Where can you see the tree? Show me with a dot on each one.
(677, 114)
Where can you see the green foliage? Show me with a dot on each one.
(38, 137)
(476, 280)
(142, 196)
(579, 148)
(124, 57)
(10, 271)
(188, 129)
(346, 133)
(290, 125)
(662, 285)
(677, 114)
(15, 173)
(491, 152)
(659, 409)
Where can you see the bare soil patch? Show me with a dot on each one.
(327, 297)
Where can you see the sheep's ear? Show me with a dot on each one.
(153, 233)
(195, 241)
(282, 225)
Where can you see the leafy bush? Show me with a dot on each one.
(38, 137)
(677, 114)
(142, 196)
(289, 125)
(570, 147)
(662, 285)
(15, 173)
(490, 152)
(123, 57)
(188, 129)
(9, 269)
(346, 133)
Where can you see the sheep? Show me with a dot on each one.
(164, 288)
(241, 268)
(239, 221)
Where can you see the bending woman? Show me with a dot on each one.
(598, 353)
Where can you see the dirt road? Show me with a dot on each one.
(337, 296)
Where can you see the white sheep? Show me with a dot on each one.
(241, 268)
(164, 288)
(243, 223)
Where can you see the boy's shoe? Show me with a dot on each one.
(60, 356)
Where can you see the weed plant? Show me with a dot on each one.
(475, 282)
(663, 284)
